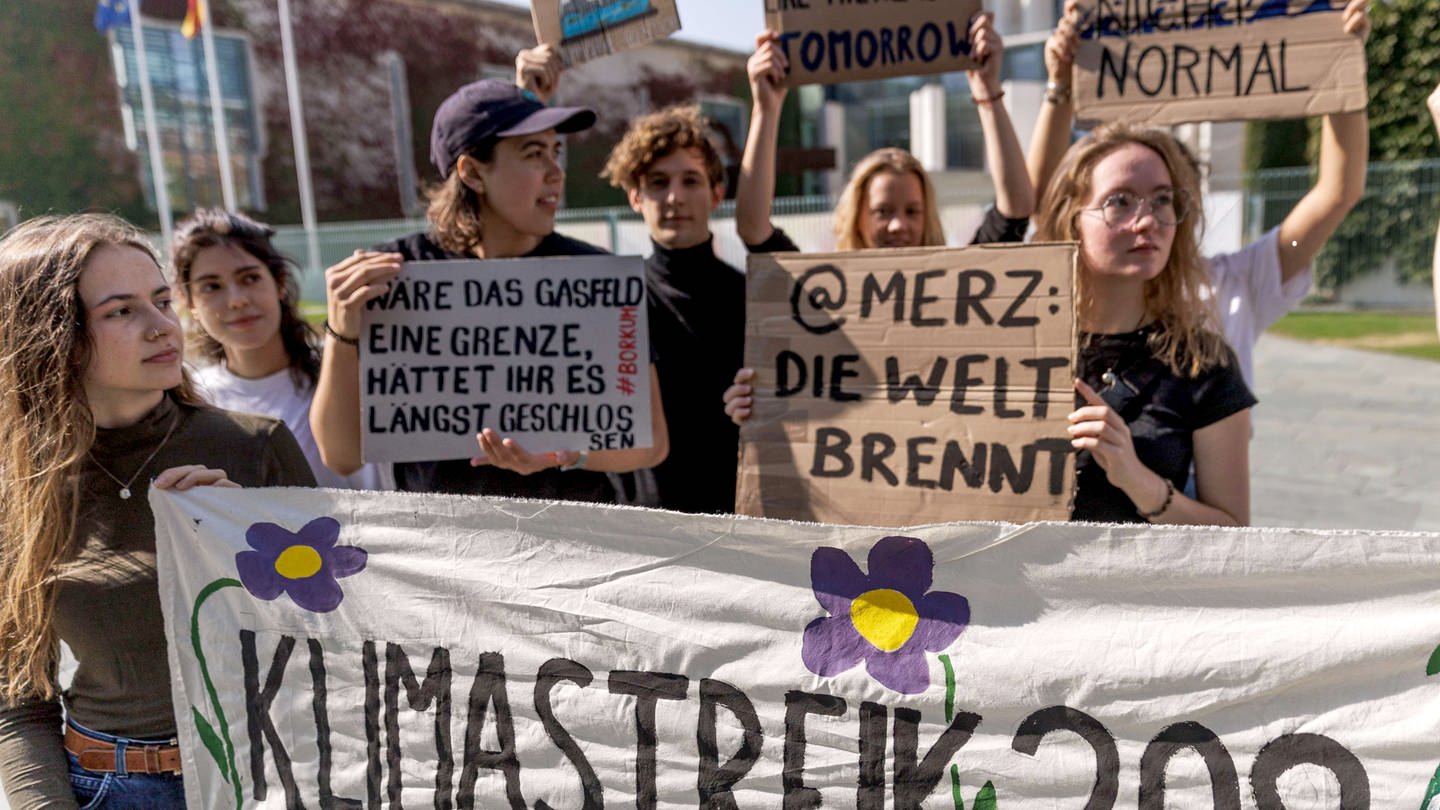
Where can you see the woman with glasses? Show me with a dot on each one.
(1158, 386)
(1255, 286)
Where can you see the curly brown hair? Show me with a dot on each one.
(658, 134)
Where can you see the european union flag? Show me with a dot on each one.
(110, 13)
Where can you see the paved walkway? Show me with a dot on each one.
(1344, 439)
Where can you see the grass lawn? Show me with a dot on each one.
(1396, 333)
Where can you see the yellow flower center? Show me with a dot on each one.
(299, 562)
(884, 618)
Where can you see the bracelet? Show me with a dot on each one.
(579, 462)
(1057, 93)
(1169, 496)
(348, 341)
(990, 100)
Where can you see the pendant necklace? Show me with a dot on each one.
(125, 485)
(1110, 377)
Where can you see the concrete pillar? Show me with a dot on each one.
(832, 134)
(927, 126)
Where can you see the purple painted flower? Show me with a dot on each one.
(304, 564)
(886, 618)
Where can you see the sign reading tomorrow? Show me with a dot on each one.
(343, 649)
(1169, 63)
(896, 387)
(828, 42)
(553, 352)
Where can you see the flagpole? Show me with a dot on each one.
(217, 112)
(152, 129)
(297, 135)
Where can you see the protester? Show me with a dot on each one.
(98, 408)
(1434, 103)
(259, 354)
(672, 173)
(1159, 385)
(890, 200)
(1255, 286)
(497, 148)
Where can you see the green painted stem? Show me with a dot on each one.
(949, 716)
(206, 593)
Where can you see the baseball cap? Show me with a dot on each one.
(492, 108)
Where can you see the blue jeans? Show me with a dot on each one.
(121, 790)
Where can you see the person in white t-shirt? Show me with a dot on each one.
(1255, 286)
(257, 355)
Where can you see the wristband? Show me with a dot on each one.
(579, 462)
(990, 100)
(1169, 496)
(348, 341)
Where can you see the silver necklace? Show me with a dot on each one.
(125, 485)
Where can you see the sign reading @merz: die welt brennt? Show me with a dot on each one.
(900, 387)
(1165, 62)
(552, 352)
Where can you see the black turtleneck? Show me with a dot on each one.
(697, 329)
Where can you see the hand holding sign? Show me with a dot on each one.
(766, 68)
(363, 276)
(987, 49)
(507, 454)
(1098, 428)
(538, 70)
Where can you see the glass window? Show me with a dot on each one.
(182, 112)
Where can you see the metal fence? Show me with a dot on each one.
(1391, 230)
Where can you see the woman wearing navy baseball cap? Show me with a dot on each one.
(497, 149)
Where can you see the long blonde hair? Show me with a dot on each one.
(852, 208)
(45, 349)
(1189, 341)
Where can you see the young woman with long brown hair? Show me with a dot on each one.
(256, 353)
(98, 408)
(1159, 385)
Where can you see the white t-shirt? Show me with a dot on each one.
(1250, 297)
(276, 396)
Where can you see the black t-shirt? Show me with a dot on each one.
(456, 476)
(995, 228)
(1162, 409)
(697, 328)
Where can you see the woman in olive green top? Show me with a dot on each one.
(97, 408)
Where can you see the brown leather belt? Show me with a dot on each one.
(99, 755)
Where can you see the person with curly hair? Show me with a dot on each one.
(670, 168)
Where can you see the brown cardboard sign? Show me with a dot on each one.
(898, 387)
(828, 42)
(583, 30)
(1168, 63)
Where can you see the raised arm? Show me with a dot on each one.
(755, 192)
(538, 70)
(1014, 196)
(335, 409)
(1057, 115)
(1344, 154)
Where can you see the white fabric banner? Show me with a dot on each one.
(358, 649)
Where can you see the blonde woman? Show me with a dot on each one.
(98, 408)
(1158, 386)
(890, 199)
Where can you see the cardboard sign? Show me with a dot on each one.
(896, 387)
(830, 42)
(464, 652)
(583, 30)
(552, 352)
(1180, 62)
